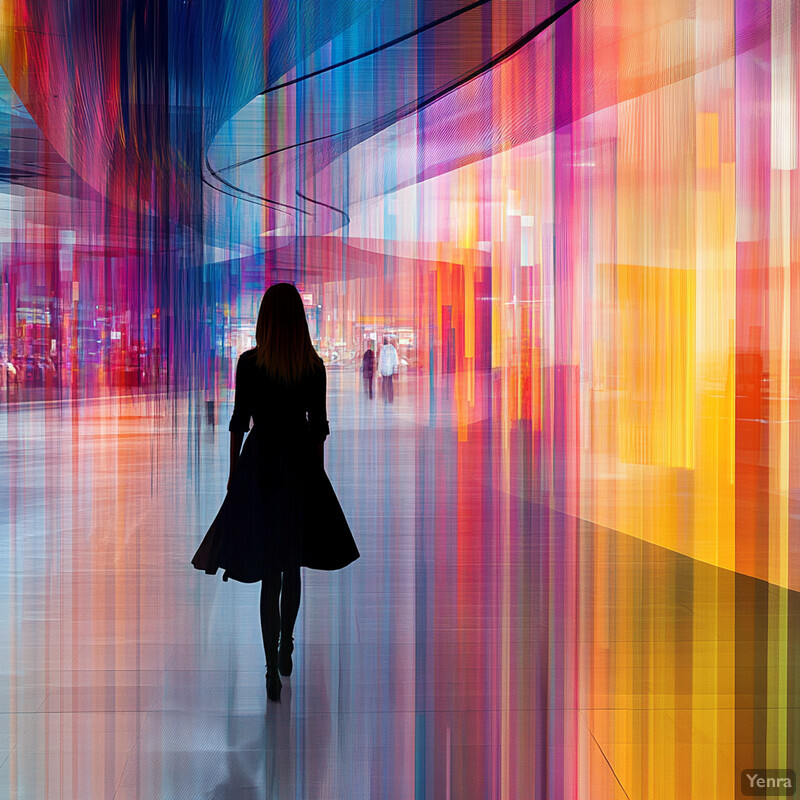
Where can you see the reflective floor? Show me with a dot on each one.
(488, 643)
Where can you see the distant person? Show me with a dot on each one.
(210, 394)
(387, 366)
(211, 414)
(280, 512)
(368, 368)
(13, 374)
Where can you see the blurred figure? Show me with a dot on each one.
(211, 415)
(368, 368)
(12, 376)
(387, 366)
(211, 392)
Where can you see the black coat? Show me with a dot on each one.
(281, 511)
(368, 363)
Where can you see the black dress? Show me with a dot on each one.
(281, 511)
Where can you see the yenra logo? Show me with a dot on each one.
(768, 782)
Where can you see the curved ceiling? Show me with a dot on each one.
(131, 93)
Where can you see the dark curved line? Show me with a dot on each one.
(230, 194)
(287, 147)
(257, 198)
(418, 105)
(501, 56)
(384, 46)
(411, 108)
(365, 54)
(260, 202)
(332, 208)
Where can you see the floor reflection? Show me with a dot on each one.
(488, 644)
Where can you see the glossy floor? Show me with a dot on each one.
(488, 644)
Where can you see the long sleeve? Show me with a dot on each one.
(242, 402)
(317, 409)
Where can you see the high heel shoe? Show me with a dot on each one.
(273, 685)
(285, 656)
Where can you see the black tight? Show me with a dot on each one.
(277, 618)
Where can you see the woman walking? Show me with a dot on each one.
(280, 512)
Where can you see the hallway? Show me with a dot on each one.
(486, 644)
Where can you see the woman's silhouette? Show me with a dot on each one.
(280, 512)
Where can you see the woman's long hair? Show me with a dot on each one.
(283, 343)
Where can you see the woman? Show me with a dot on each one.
(280, 512)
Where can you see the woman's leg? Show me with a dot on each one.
(290, 602)
(270, 615)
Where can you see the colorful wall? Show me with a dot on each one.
(585, 217)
